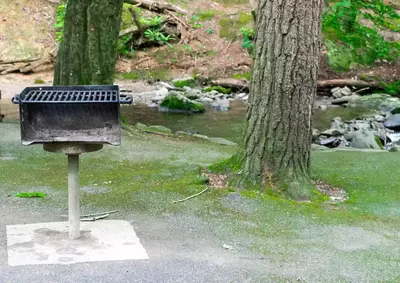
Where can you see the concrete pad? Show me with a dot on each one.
(48, 243)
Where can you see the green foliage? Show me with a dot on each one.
(348, 41)
(151, 21)
(153, 33)
(209, 31)
(338, 56)
(30, 195)
(247, 38)
(39, 81)
(248, 32)
(158, 36)
(60, 16)
(123, 47)
(194, 22)
(218, 88)
(392, 88)
(197, 25)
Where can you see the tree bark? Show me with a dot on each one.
(275, 149)
(87, 54)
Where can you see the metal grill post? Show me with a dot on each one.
(73, 196)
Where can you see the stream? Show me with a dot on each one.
(212, 123)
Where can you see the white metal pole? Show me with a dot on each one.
(73, 196)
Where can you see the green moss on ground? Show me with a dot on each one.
(245, 19)
(147, 75)
(233, 2)
(190, 82)
(246, 76)
(205, 15)
(228, 28)
(39, 81)
(230, 25)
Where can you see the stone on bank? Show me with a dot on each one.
(177, 102)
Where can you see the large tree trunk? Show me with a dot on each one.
(87, 53)
(275, 151)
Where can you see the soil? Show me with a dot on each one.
(27, 29)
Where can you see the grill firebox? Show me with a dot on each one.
(79, 114)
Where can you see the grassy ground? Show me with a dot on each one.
(357, 241)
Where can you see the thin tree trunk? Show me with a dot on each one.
(87, 53)
(276, 143)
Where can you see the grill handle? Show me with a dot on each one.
(15, 99)
(125, 99)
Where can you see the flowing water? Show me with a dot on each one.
(212, 123)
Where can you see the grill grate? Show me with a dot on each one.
(72, 94)
(38, 96)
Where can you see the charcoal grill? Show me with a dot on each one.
(71, 120)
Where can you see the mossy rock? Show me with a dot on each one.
(158, 130)
(223, 141)
(189, 81)
(218, 88)
(141, 126)
(192, 96)
(126, 19)
(181, 134)
(203, 137)
(175, 101)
